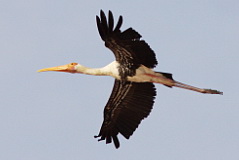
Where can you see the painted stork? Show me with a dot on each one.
(133, 94)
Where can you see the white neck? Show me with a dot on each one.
(109, 70)
(90, 71)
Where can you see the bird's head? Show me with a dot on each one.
(70, 68)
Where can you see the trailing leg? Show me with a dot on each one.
(201, 90)
(167, 80)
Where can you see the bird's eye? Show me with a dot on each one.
(73, 64)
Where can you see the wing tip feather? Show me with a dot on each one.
(109, 139)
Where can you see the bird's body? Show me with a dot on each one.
(142, 74)
(133, 94)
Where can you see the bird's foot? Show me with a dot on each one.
(211, 91)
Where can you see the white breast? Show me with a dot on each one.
(141, 73)
(112, 69)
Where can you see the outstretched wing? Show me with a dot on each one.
(129, 103)
(130, 51)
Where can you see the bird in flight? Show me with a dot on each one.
(134, 92)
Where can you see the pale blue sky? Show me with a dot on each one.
(46, 116)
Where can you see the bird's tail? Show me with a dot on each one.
(168, 76)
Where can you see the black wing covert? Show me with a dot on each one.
(129, 103)
(130, 51)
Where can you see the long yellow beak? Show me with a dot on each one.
(58, 68)
(64, 68)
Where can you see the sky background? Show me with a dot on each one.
(46, 116)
